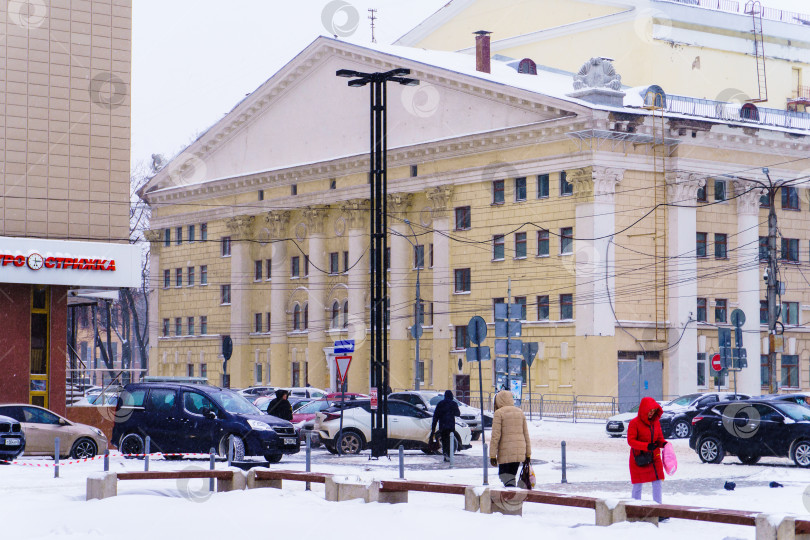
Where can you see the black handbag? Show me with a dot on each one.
(644, 458)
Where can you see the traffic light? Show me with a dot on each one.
(724, 345)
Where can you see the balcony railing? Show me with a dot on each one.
(801, 92)
(736, 112)
(730, 6)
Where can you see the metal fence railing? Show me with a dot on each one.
(732, 6)
(567, 407)
(736, 112)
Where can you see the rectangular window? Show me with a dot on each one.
(414, 171)
(179, 235)
(306, 265)
(764, 201)
(267, 328)
(701, 370)
(790, 313)
(461, 341)
(268, 264)
(495, 302)
(332, 184)
(225, 294)
(542, 308)
(430, 255)
(167, 237)
(295, 270)
(334, 262)
(257, 322)
(463, 219)
(719, 190)
(720, 310)
(566, 240)
(190, 370)
(178, 326)
(701, 310)
(191, 237)
(190, 276)
(542, 186)
(790, 198)
(178, 277)
(790, 370)
(165, 327)
(204, 232)
(520, 189)
(226, 246)
(520, 245)
(763, 312)
(497, 192)
(294, 189)
(190, 325)
(566, 187)
(720, 246)
(261, 194)
(204, 274)
(790, 249)
(258, 373)
(764, 370)
(462, 280)
(419, 256)
(542, 244)
(345, 262)
(167, 279)
(497, 247)
(566, 306)
(701, 194)
(204, 371)
(700, 244)
(257, 270)
(763, 248)
(203, 324)
(521, 301)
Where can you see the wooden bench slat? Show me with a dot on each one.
(802, 526)
(545, 497)
(426, 487)
(317, 478)
(714, 515)
(174, 475)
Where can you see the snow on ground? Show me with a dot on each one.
(42, 506)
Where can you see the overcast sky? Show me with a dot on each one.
(193, 60)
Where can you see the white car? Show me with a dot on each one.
(408, 426)
(257, 391)
(306, 392)
(428, 399)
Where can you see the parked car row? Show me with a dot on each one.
(33, 430)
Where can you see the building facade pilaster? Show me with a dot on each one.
(443, 365)
(355, 212)
(400, 292)
(277, 222)
(241, 232)
(155, 279)
(318, 368)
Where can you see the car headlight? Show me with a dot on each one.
(98, 432)
(260, 426)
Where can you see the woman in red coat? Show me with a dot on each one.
(644, 435)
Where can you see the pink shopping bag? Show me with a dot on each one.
(669, 459)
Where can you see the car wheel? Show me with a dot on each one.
(131, 445)
(682, 429)
(748, 459)
(350, 442)
(710, 450)
(273, 458)
(238, 447)
(476, 436)
(800, 454)
(83, 448)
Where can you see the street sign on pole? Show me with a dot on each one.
(478, 354)
(342, 364)
(372, 393)
(515, 347)
(505, 329)
(416, 331)
(529, 351)
(717, 365)
(737, 317)
(516, 386)
(344, 346)
(477, 330)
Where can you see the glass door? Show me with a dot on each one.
(38, 389)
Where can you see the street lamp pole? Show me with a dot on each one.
(378, 222)
(417, 322)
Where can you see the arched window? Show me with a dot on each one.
(306, 317)
(335, 314)
(345, 314)
(296, 317)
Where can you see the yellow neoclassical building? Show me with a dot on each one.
(704, 49)
(624, 230)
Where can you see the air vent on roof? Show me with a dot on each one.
(527, 66)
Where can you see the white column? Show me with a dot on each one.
(595, 219)
(443, 365)
(355, 212)
(681, 359)
(400, 293)
(155, 285)
(241, 228)
(748, 284)
(279, 292)
(316, 335)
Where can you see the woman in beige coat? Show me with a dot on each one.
(509, 443)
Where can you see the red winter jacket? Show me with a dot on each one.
(640, 433)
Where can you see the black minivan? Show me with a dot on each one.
(192, 418)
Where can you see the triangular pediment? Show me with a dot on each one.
(305, 114)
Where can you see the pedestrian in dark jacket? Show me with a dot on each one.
(280, 406)
(644, 435)
(445, 415)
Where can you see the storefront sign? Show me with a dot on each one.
(64, 262)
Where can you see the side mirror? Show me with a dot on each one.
(208, 413)
(422, 406)
(63, 422)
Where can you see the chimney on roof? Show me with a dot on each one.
(482, 51)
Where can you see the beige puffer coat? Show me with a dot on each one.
(509, 441)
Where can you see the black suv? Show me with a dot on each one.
(12, 439)
(193, 418)
(751, 429)
(676, 421)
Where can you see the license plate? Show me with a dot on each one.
(13, 442)
(290, 441)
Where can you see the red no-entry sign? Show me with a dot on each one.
(716, 364)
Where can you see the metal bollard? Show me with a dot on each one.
(564, 479)
(146, 453)
(452, 450)
(230, 450)
(213, 453)
(486, 465)
(401, 462)
(56, 457)
(107, 460)
(309, 457)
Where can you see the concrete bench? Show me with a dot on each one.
(104, 485)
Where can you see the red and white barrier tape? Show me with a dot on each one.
(100, 456)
